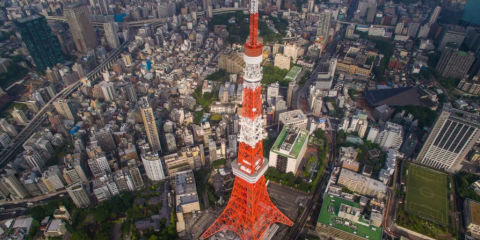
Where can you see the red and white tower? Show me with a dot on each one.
(250, 211)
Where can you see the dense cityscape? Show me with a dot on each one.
(239, 120)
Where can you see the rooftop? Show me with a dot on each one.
(369, 182)
(329, 216)
(292, 116)
(30, 18)
(293, 73)
(290, 142)
(475, 211)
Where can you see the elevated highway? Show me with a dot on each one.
(9, 152)
(154, 21)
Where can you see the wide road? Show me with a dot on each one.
(304, 91)
(32, 126)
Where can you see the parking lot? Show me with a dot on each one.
(286, 199)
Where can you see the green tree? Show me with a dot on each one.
(80, 235)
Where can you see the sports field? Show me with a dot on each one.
(427, 194)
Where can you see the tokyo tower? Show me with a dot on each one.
(250, 211)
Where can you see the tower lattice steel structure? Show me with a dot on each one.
(250, 211)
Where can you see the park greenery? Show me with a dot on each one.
(205, 99)
(273, 74)
(220, 75)
(240, 29)
(218, 163)
(197, 117)
(464, 180)
(305, 172)
(426, 117)
(96, 222)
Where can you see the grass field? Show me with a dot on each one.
(427, 194)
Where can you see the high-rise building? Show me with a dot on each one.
(99, 165)
(450, 139)
(34, 159)
(150, 127)
(291, 92)
(65, 109)
(453, 36)
(53, 179)
(311, 4)
(108, 89)
(454, 63)
(324, 24)
(111, 30)
(250, 211)
(8, 128)
(79, 195)
(372, 10)
(391, 137)
(28, 181)
(135, 174)
(15, 187)
(153, 166)
(282, 61)
(19, 116)
(83, 34)
(435, 14)
(42, 45)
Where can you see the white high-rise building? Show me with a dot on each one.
(435, 14)
(324, 24)
(111, 30)
(153, 166)
(34, 159)
(8, 128)
(391, 137)
(79, 195)
(19, 116)
(452, 136)
(108, 89)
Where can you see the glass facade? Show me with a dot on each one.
(42, 45)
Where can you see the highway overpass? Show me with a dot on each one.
(155, 21)
(33, 125)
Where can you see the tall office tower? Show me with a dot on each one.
(42, 45)
(153, 166)
(19, 116)
(150, 127)
(15, 187)
(279, 4)
(8, 128)
(99, 165)
(453, 36)
(53, 179)
(65, 109)
(111, 30)
(101, 4)
(108, 89)
(435, 14)
(28, 181)
(83, 34)
(311, 4)
(372, 10)
(79, 195)
(324, 24)
(454, 63)
(34, 159)
(131, 93)
(250, 211)
(291, 92)
(450, 139)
